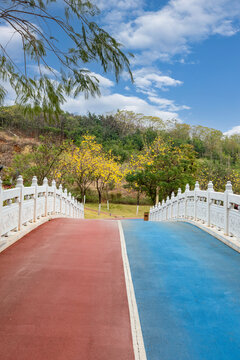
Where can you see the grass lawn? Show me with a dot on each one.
(115, 211)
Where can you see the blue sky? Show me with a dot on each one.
(186, 64)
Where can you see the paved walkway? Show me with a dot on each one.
(63, 294)
(187, 287)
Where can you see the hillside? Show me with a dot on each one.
(14, 142)
(35, 146)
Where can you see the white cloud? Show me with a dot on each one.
(10, 93)
(117, 11)
(235, 130)
(148, 80)
(178, 24)
(168, 104)
(113, 102)
(11, 41)
(118, 4)
(103, 81)
(51, 72)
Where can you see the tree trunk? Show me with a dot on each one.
(99, 200)
(82, 194)
(138, 200)
(157, 195)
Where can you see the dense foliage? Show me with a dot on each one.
(70, 38)
(145, 154)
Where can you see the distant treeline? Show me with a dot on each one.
(126, 134)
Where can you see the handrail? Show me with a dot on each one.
(26, 204)
(220, 210)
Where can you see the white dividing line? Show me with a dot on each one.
(138, 344)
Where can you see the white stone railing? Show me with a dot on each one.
(27, 204)
(219, 210)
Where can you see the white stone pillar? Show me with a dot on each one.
(163, 204)
(172, 198)
(209, 190)
(65, 202)
(21, 199)
(197, 188)
(35, 184)
(168, 204)
(60, 205)
(54, 196)
(45, 184)
(227, 207)
(73, 206)
(178, 201)
(187, 189)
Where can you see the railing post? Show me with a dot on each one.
(195, 199)
(54, 196)
(178, 201)
(45, 183)
(75, 209)
(70, 204)
(186, 200)
(21, 199)
(227, 207)
(73, 206)
(209, 190)
(35, 184)
(172, 197)
(157, 212)
(65, 202)
(60, 205)
(1, 206)
(163, 203)
(168, 203)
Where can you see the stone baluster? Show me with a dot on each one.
(65, 202)
(209, 190)
(21, 199)
(45, 184)
(228, 190)
(187, 189)
(178, 202)
(73, 206)
(54, 196)
(61, 193)
(35, 198)
(168, 204)
(163, 204)
(197, 188)
(172, 198)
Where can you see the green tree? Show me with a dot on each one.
(87, 43)
(167, 167)
(42, 161)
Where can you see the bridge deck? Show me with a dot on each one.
(63, 295)
(187, 286)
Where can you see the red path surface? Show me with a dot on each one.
(63, 295)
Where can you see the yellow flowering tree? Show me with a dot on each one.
(79, 163)
(107, 171)
(219, 174)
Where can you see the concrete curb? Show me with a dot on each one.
(138, 344)
(227, 240)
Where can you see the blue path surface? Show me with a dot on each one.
(187, 286)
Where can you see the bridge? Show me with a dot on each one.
(119, 289)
